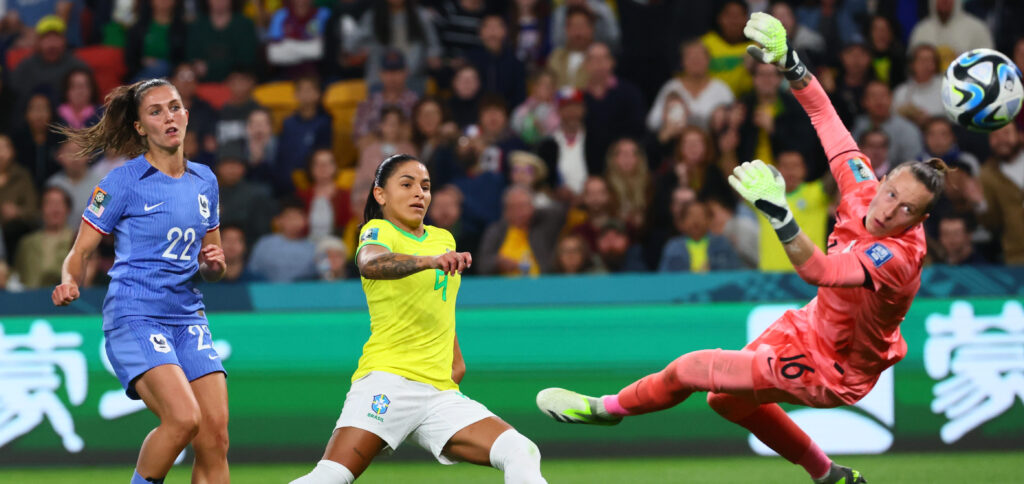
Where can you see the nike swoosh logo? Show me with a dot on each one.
(213, 357)
(148, 207)
(833, 244)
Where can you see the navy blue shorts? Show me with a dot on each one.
(136, 347)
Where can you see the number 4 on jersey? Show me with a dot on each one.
(441, 282)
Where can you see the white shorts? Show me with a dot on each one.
(395, 408)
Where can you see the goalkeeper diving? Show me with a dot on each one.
(830, 352)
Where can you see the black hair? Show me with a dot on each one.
(290, 203)
(382, 22)
(94, 94)
(492, 100)
(580, 10)
(384, 171)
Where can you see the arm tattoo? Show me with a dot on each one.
(392, 266)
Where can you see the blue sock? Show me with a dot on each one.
(137, 479)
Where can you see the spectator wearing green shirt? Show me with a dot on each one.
(220, 41)
(156, 43)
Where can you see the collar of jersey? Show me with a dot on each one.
(407, 234)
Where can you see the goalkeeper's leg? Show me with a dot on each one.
(705, 370)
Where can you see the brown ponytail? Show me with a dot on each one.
(931, 173)
(115, 131)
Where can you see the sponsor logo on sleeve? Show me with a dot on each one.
(98, 202)
(879, 254)
(370, 234)
(860, 170)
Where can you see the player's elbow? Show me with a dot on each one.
(458, 372)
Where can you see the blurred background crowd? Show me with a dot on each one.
(566, 136)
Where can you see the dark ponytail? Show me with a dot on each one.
(115, 131)
(380, 178)
(931, 173)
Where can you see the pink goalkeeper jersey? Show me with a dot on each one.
(858, 328)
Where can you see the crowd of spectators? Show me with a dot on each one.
(562, 136)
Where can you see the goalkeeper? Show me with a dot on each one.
(830, 352)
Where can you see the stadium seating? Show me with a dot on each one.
(16, 55)
(279, 98)
(107, 64)
(215, 93)
(341, 100)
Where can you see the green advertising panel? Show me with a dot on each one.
(960, 386)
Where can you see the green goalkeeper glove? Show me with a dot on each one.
(769, 32)
(762, 185)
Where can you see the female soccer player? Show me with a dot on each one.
(161, 209)
(407, 382)
(831, 351)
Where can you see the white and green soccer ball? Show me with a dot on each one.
(982, 90)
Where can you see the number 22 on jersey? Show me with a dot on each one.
(175, 235)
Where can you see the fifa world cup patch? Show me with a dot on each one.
(860, 170)
(370, 234)
(879, 254)
(98, 202)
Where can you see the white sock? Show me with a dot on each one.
(327, 472)
(518, 457)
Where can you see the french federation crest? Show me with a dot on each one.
(204, 206)
(380, 404)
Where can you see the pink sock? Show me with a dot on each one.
(815, 462)
(611, 404)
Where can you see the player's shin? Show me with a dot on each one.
(770, 424)
(327, 472)
(518, 457)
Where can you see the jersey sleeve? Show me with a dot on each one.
(107, 204)
(449, 239)
(849, 166)
(888, 263)
(214, 194)
(377, 232)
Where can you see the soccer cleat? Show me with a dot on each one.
(843, 475)
(567, 406)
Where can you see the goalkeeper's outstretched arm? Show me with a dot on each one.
(835, 138)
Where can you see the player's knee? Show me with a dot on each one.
(514, 450)
(327, 472)
(690, 370)
(731, 407)
(183, 421)
(212, 438)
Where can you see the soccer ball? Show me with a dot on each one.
(982, 90)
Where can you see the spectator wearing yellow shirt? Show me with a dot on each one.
(809, 203)
(523, 241)
(697, 249)
(728, 47)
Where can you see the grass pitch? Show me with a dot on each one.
(937, 468)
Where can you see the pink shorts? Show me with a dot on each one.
(787, 370)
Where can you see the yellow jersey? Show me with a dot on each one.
(727, 63)
(412, 319)
(809, 204)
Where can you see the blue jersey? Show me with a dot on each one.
(158, 224)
